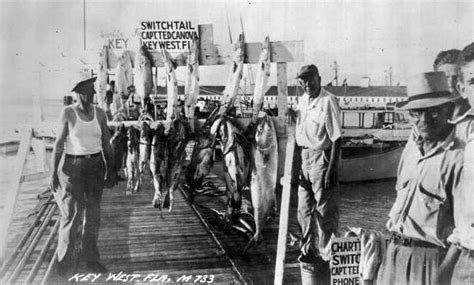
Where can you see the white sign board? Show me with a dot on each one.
(345, 259)
(169, 35)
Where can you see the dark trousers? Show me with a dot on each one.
(318, 213)
(82, 181)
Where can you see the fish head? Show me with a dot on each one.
(179, 132)
(145, 131)
(133, 137)
(265, 134)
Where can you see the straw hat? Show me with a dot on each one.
(428, 89)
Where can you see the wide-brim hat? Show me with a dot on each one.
(85, 87)
(428, 89)
(307, 70)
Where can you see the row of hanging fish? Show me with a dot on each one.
(124, 79)
(162, 149)
(256, 169)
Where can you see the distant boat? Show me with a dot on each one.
(369, 162)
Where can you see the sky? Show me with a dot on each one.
(43, 47)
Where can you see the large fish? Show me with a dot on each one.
(123, 79)
(264, 175)
(143, 75)
(159, 164)
(236, 164)
(235, 75)
(133, 152)
(102, 77)
(146, 135)
(202, 157)
(119, 147)
(178, 137)
(172, 110)
(191, 89)
(263, 73)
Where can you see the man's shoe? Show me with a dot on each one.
(95, 267)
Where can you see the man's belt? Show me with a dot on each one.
(84, 156)
(410, 242)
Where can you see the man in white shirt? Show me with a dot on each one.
(318, 134)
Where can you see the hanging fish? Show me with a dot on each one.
(178, 137)
(133, 150)
(119, 147)
(172, 111)
(191, 89)
(236, 165)
(159, 160)
(102, 77)
(263, 74)
(235, 75)
(202, 157)
(123, 79)
(146, 136)
(264, 175)
(143, 75)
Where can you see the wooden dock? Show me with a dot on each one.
(184, 246)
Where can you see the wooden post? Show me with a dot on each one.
(282, 86)
(284, 211)
(39, 149)
(14, 189)
(281, 125)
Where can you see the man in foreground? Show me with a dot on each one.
(78, 176)
(429, 173)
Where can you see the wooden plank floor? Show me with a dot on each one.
(136, 238)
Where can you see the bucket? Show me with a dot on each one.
(314, 273)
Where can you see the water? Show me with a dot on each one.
(366, 204)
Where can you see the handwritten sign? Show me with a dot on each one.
(154, 278)
(169, 35)
(345, 259)
(115, 39)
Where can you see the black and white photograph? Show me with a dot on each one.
(237, 142)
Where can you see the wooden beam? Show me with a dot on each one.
(284, 211)
(212, 54)
(35, 176)
(14, 188)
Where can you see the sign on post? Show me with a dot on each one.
(345, 259)
(168, 35)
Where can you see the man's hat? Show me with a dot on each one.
(85, 87)
(428, 89)
(308, 70)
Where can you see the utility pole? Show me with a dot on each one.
(390, 75)
(335, 72)
(84, 21)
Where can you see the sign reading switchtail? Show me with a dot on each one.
(169, 35)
